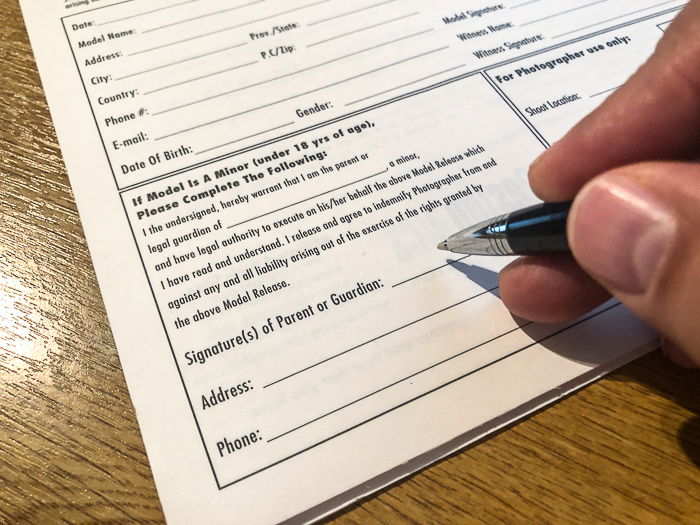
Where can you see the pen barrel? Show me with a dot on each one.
(539, 229)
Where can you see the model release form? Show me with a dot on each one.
(262, 185)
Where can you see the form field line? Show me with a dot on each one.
(202, 16)
(363, 29)
(336, 17)
(251, 110)
(524, 4)
(404, 85)
(616, 18)
(382, 336)
(287, 75)
(202, 77)
(146, 12)
(606, 91)
(229, 28)
(245, 138)
(406, 378)
(562, 13)
(170, 64)
(430, 271)
(464, 375)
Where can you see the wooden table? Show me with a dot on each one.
(626, 449)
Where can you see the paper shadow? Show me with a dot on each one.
(583, 346)
(573, 348)
(486, 279)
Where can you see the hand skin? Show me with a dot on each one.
(632, 169)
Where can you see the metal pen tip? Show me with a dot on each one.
(443, 246)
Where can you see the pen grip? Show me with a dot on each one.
(539, 229)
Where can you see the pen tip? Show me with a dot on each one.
(442, 246)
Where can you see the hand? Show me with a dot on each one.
(631, 168)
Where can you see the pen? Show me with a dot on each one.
(537, 229)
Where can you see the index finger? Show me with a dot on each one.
(654, 116)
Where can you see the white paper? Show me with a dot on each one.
(262, 185)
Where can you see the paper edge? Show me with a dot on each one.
(468, 439)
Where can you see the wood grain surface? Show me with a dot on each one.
(625, 450)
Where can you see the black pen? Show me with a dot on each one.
(537, 229)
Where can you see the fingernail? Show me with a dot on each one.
(621, 233)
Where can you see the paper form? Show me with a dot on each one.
(262, 185)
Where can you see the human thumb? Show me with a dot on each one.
(636, 230)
